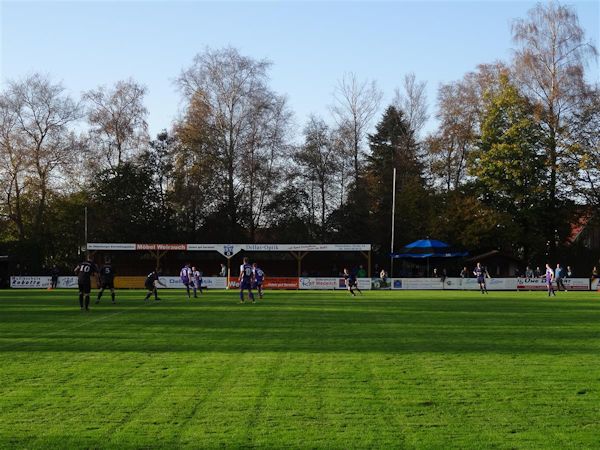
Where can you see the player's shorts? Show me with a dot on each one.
(149, 285)
(85, 286)
(108, 284)
(480, 280)
(186, 281)
(257, 284)
(245, 284)
(198, 284)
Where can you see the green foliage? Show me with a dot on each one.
(393, 146)
(509, 166)
(126, 206)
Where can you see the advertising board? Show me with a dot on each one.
(470, 284)
(417, 283)
(539, 284)
(272, 283)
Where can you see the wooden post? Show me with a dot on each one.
(157, 257)
(228, 272)
(299, 257)
(368, 256)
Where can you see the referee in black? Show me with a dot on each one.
(84, 272)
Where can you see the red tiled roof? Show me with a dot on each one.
(578, 227)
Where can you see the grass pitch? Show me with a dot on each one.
(301, 370)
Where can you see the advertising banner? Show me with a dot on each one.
(539, 284)
(318, 283)
(29, 282)
(110, 246)
(68, 283)
(470, 284)
(596, 284)
(228, 250)
(207, 282)
(417, 283)
(364, 284)
(379, 283)
(272, 283)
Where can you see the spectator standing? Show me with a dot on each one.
(569, 273)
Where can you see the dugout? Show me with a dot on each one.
(135, 259)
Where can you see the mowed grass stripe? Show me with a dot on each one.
(302, 369)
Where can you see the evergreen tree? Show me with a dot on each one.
(393, 146)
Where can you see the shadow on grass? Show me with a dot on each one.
(431, 326)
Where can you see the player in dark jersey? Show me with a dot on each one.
(107, 280)
(84, 272)
(246, 280)
(151, 281)
(351, 282)
(54, 277)
(259, 278)
(481, 273)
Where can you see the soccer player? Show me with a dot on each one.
(84, 273)
(107, 280)
(246, 280)
(259, 278)
(480, 273)
(151, 281)
(550, 280)
(558, 276)
(351, 282)
(196, 281)
(54, 277)
(186, 278)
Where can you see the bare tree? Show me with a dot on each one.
(412, 99)
(319, 159)
(247, 124)
(43, 114)
(117, 117)
(355, 103)
(461, 105)
(266, 141)
(549, 64)
(583, 151)
(12, 168)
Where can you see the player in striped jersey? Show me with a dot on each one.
(246, 280)
(259, 278)
(186, 278)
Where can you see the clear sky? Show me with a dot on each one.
(311, 44)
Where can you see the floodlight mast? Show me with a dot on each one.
(393, 224)
(85, 232)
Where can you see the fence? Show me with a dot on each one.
(330, 283)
